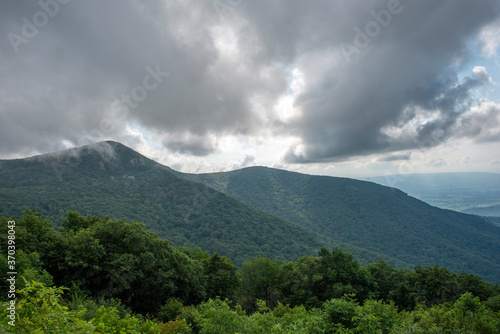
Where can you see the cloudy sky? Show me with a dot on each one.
(348, 88)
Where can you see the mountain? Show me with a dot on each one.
(494, 220)
(368, 215)
(250, 212)
(455, 191)
(111, 179)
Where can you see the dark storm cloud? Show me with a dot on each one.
(57, 84)
(409, 68)
(197, 146)
(191, 72)
(395, 157)
(83, 75)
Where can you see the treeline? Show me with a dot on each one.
(120, 278)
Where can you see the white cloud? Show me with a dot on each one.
(480, 71)
(246, 161)
(481, 123)
(490, 39)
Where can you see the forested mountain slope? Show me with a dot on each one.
(111, 179)
(368, 215)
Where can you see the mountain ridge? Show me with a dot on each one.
(367, 214)
(111, 179)
(255, 211)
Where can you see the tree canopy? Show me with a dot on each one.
(99, 275)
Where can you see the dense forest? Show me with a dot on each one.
(367, 215)
(252, 212)
(100, 275)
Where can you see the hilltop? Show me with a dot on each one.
(111, 179)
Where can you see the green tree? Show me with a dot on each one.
(342, 274)
(435, 285)
(474, 284)
(32, 231)
(74, 221)
(115, 259)
(216, 317)
(39, 310)
(375, 317)
(466, 315)
(171, 309)
(339, 314)
(222, 276)
(299, 282)
(259, 280)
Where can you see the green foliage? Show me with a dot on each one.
(89, 306)
(428, 285)
(287, 320)
(346, 315)
(222, 276)
(259, 279)
(216, 317)
(390, 283)
(39, 311)
(300, 320)
(195, 253)
(401, 229)
(466, 315)
(32, 232)
(299, 282)
(29, 268)
(375, 317)
(74, 221)
(312, 280)
(493, 303)
(191, 316)
(171, 310)
(116, 268)
(176, 326)
(339, 313)
(115, 259)
(108, 321)
(434, 285)
(31, 274)
(342, 274)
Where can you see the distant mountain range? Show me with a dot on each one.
(254, 211)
